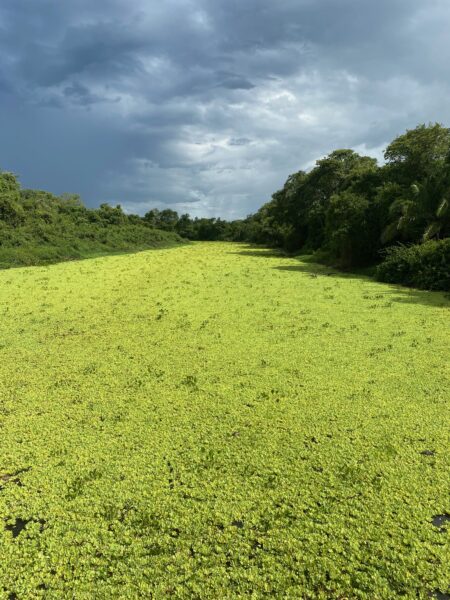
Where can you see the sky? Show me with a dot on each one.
(206, 106)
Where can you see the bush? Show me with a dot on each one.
(424, 266)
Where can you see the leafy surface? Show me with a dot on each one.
(218, 421)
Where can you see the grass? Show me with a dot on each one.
(214, 421)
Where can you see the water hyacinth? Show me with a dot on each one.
(220, 421)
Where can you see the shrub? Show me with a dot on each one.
(425, 266)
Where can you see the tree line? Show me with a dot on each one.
(353, 212)
(37, 227)
(347, 210)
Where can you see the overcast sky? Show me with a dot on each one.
(207, 106)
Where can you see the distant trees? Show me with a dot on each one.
(111, 215)
(194, 229)
(302, 214)
(347, 206)
(351, 208)
(10, 209)
(37, 227)
(162, 219)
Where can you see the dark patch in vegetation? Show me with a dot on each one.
(238, 524)
(171, 481)
(438, 595)
(190, 381)
(13, 477)
(20, 524)
(17, 527)
(440, 521)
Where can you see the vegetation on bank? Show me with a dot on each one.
(348, 209)
(37, 227)
(352, 210)
(425, 266)
(218, 421)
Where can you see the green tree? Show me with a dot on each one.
(418, 172)
(348, 229)
(415, 155)
(10, 210)
(111, 215)
(168, 219)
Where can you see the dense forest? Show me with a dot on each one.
(352, 212)
(348, 210)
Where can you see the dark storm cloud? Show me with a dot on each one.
(209, 104)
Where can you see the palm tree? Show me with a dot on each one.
(423, 213)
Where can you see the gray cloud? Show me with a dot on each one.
(208, 105)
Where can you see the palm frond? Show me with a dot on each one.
(442, 209)
(431, 231)
(390, 232)
(415, 190)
